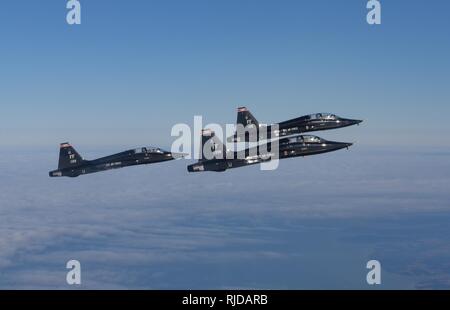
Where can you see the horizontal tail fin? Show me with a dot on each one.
(68, 157)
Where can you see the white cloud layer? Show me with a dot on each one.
(140, 227)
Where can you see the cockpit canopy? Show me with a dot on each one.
(323, 116)
(311, 139)
(302, 139)
(149, 149)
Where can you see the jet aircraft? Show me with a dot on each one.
(307, 123)
(295, 146)
(71, 164)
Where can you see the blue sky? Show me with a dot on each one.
(133, 69)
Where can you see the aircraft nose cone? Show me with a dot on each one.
(354, 121)
(350, 122)
(342, 145)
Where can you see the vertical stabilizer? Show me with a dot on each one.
(68, 157)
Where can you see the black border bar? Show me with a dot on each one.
(275, 298)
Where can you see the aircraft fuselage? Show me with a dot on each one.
(287, 148)
(303, 124)
(140, 156)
